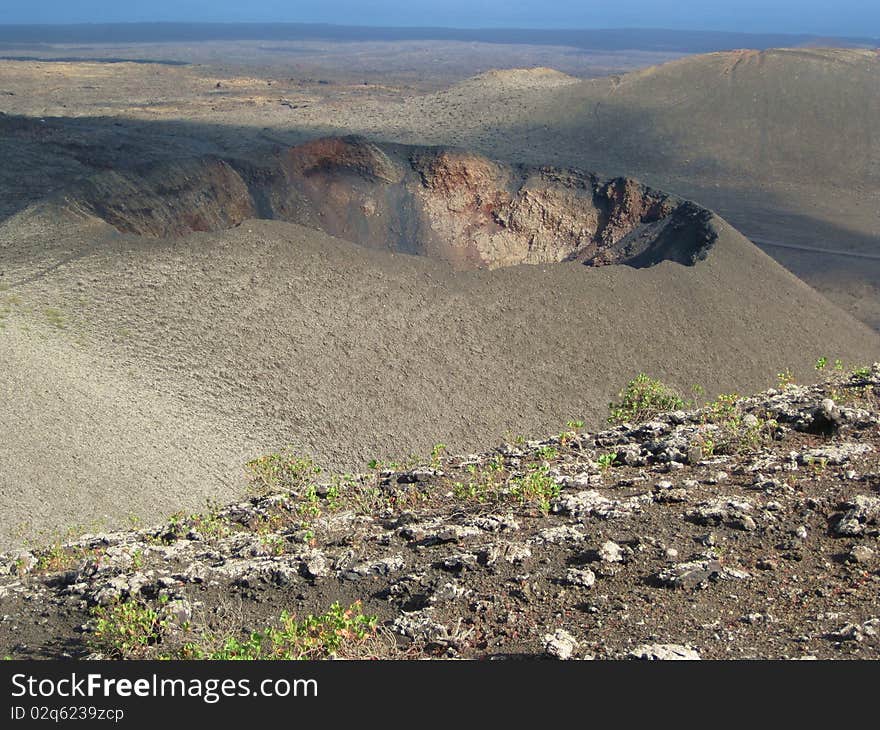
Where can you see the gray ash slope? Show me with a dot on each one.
(140, 372)
(766, 548)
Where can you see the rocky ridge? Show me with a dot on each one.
(748, 528)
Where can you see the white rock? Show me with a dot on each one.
(611, 552)
(664, 652)
(560, 645)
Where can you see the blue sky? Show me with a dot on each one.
(843, 17)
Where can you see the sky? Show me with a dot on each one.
(821, 17)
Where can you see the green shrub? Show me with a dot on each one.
(313, 637)
(537, 485)
(642, 399)
(126, 629)
(284, 470)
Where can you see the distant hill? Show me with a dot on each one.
(785, 143)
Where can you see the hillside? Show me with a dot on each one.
(146, 370)
(784, 143)
(746, 529)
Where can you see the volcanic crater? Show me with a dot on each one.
(444, 203)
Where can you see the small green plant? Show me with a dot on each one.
(126, 629)
(537, 485)
(280, 471)
(437, 454)
(785, 378)
(606, 461)
(571, 431)
(377, 465)
(334, 493)
(642, 399)
(310, 503)
(313, 637)
(821, 363)
(818, 465)
(547, 453)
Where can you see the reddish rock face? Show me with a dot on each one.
(449, 204)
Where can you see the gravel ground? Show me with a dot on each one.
(636, 542)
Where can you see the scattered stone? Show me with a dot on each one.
(591, 503)
(315, 565)
(826, 418)
(835, 454)
(860, 554)
(560, 535)
(610, 552)
(560, 644)
(179, 612)
(385, 566)
(750, 421)
(584, 578)
(516, 554)
(689, 574)
(729, 510)
(460, 561)
(849, 632)
(862, 510)
(664, 652)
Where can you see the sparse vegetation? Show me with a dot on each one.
(284, 470)
(537, 485)
(436, 454)
(547, 453)
(136, 630)
(571, 431)
(59, 557)
(642, 399)
(126, 629)
(606, 461)
(734, 429)
(330, 634)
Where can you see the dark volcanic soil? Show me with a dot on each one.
(767, 548)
